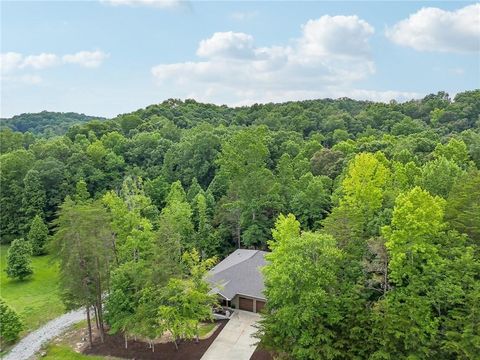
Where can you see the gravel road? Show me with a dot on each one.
(30, 344)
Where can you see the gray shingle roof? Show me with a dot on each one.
(239, 273)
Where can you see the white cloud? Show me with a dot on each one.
(41, 61)
(227, 45)
(161, 4)
(89, 59)
(10, 61)
(338, 35)
(434, 29)
(329, 57)
(15, 67)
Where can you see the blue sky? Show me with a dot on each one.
(114, 56)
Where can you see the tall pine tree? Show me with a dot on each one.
(34, 197)
(38, 235)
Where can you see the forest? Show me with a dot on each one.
(45, 123)
(370, 211)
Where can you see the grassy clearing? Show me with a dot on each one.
(205, 328)
(36, 299)
(80, 325)
(64, 352)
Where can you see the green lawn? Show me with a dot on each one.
(64, 352)
(205, 328)
(36, 299)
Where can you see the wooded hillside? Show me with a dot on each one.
(379, 257)
(45, 123)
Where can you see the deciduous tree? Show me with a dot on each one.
(11, 325)
(19, 259)
(300, 282)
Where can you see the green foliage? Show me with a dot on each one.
(436, 115)
(206, 240)
(327, 162)
(146, 322)
(14, 167)
(433, 285)
(417, 220)
(193, 157)
(38, 236)
(45, 123)
(126, 284)
(455, 150)
(145, 258)
(134, 235)
(363, 196)
(11, 323)
(438, 176)
(193, 190)
(83, 244)
(365, 183)
(463, 205)
(10, 141)
(157, 190)
(35, 300)
(302, 305)
(81, 192)
(311, 200)
(129, 122)
(398, 275)
(65, 352)
(186, 302)
(19, 260)
(242, 162)
(175, 225)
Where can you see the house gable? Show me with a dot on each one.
(239, 274)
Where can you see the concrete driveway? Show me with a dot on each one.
(235, 341)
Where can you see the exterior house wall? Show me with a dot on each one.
(234, 302)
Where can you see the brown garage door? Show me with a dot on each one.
(260, 305)
(245, 304)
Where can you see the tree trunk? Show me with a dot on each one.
(89, 326)
(99, 303)
(100, 321)
(385, 279)
(126, 340)
(238, 234)
(114, 247)
(96, 317)
(175, 343)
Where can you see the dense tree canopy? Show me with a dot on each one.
(385, 267)
(45, 123)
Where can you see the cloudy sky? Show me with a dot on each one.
(113, 56)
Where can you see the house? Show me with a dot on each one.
(238, 280)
